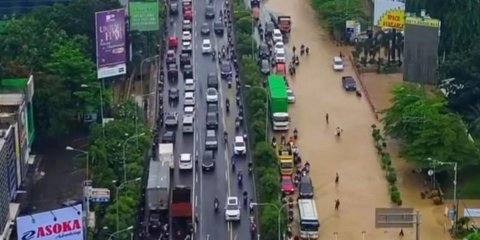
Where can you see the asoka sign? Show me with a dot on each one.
(64, 223)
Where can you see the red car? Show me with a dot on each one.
(288, 186)
(186, 7)
(187, 15)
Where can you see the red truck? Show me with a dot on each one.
(181, 211)
(284, 23)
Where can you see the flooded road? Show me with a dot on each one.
(318, 89)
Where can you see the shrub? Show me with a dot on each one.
(391, 177)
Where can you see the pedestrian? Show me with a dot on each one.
(307, 50)
(401, 233)
(293, 49)
(337, 204)
(341, 54)
(338, 131)
(326, 118)
(336, 178)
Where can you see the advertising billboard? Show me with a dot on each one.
(389, 13)
(64, 223)
(111, 48)
(143, 16)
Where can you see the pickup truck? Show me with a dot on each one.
(181, 211)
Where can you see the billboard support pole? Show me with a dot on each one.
(417, 225)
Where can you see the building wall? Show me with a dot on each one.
(6, 154)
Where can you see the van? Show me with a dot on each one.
(305, 189)
(277, 35)
(187, 123)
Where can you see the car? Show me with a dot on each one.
(188, 123)
(305, 187)
(186, 36)
(186, 162)
(171, 119)
(212, 120)
(208, 160)
(337, 64)
(186, 47)
(205, 29)
(212, 80)
(206, 46)
(172, 72)
(277, 35)
(187, 71)
(232, 209)
(189, 99)
(280, 56)
(279, 46)
(210, 12)
(211, 141)
(173, 93)
(218, 27)
(187, 25)
(263, 51)
(239, 146)
(212, 95)
(185, 59)
(188, 14)
(168, 137)
(226, 70)
(171, 53)
(269, 27)
(265, 66)
(189, 85)
(173, 7)
(188, 110)
(170, 60)
(212, 108)
(288, 186)
(290, 96)
(349, 83)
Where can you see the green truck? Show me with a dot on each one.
(278, 102)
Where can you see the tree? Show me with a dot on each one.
(264, 156)
(473, 236)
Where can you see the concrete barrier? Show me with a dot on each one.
(358, 74)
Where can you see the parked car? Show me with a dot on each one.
(263, 51)
(305, 187)
(288, 186)
(349, 83)
(337, 64)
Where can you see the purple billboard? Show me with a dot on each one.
(111, 48)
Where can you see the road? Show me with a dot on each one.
(221, 182)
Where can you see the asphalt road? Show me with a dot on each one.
(222, 181)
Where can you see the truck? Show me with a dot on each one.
(284, 24)
(181, 211)
(278, 102)
(255, 6)
(165, 154)
(285, 159)
(157, 193)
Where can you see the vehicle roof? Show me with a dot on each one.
(185, 156)
(188, 117)
(307, 209)
(188, 109)
(211, 132)
(239, 139)
(158, 175)
(277, 31)
(189, 80)
(206, 40)
(277, 86)
(337, 59)
(188, 94)
(208, 153)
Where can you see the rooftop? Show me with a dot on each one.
(11, 99)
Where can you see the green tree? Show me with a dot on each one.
(473, 236)
(264, 156)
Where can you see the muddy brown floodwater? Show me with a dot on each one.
(362, 186)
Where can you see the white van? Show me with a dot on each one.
(277, 35)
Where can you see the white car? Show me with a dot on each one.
(212, 95)
(290, 95)
(185, 161)
(232, 209)
(186, 36)
(277, 35)
(337, 64)
(189, 110)
(239, 146)
(189, 85)
(280, 56)
(279, 46)
(206, 46)
(189, 99)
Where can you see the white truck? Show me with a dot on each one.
(157, 191)
(165, 154)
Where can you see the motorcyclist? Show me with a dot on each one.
(239, 177)
(227, 105)
(250, 167)
(233, 164)
(215, 203)
(245, 197)
(213, 55)
(225, 136)
(295, 133)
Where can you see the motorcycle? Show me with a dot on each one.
(215, 204)
(225, 137)
(227, 107)
(238, 122)
(213, 56)
(229, 83)
(295, 134)
(239, 179)
(250, 167)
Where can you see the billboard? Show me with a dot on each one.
(64, 223)
(389, 13)
(111, 48)
(143, 16)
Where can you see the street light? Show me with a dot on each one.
(118, 188)
(117, 232)
(86, 193)
(279, 213)
(266, 107)
(455, 165)
(101, 103)
(124, 159)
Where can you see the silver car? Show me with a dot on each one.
(171, 119)
(211, 139)
(189, 99)
(189, 85)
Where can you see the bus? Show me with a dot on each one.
(308, 216)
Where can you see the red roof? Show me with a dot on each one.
(181, 210)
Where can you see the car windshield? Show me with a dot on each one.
(185, 158)
(281, 119)
(286, 165)
(338, 62)
(232, 207)
(309, 225)
(211, 91)
(286, 181)
(170, 117)
(226, 67)
(211, 117)
(280, 55)
(239, 144)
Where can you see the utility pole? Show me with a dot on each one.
(417, 225)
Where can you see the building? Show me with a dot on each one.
(17, 134)
(20, 7)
